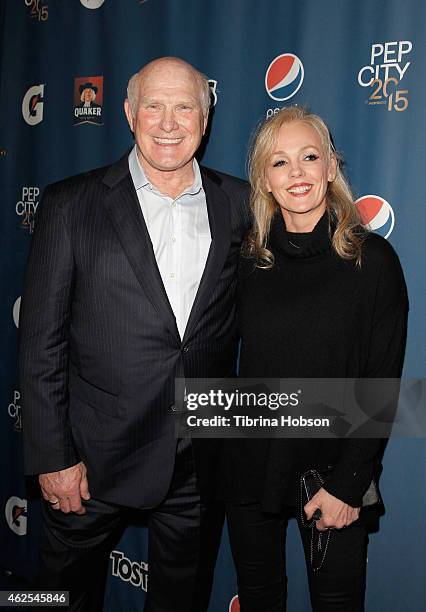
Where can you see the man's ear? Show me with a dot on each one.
(129, 114)
(206, 120)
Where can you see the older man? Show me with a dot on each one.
(130, 284)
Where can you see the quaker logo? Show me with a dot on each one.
(284, 77)
(16, 515)
(234, 605)
(92, 4)
(38, 9)
(32, 105)
(26, 207)
(14, 411)
(88, 100)
(385, 73)
(213, 95)
(135, 572)
(376, 214)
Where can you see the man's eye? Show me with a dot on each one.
(184, 107)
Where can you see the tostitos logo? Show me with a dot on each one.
(376, 214)
(135, 572)
(234, 605)
(284, 77)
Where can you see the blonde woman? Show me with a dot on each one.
(319, 297)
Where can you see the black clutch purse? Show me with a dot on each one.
(311, 482)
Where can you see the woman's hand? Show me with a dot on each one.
(335, 514)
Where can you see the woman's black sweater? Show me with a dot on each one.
(315, 315)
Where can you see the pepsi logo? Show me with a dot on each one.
(234, 605)
(376, 214)
(284, 77)
(92, 4)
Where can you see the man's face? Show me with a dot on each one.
(87, 94)
(168, 123)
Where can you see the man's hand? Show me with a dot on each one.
(335, 514)
(65, 489)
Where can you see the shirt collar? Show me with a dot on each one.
(140, 180)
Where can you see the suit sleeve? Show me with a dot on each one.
(44, 341)
(355, 468)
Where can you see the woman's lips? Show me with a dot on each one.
(299, 190)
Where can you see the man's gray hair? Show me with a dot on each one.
(93, 98)
(205, 91)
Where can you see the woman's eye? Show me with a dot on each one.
(278, 163)
(311, 157)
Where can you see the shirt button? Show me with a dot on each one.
(185, 349)
(172, 275)
(173, 239)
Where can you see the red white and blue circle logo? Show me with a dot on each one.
(284, 77)
(234, 605)
(376, 214)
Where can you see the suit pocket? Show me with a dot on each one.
(96, 398)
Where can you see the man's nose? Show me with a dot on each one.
(168, 121)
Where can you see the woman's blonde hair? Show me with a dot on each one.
(347, 239)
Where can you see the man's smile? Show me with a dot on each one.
(167, 141)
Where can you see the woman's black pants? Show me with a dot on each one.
(258, 549)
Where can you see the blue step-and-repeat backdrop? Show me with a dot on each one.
(357, 63)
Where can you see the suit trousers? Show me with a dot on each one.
(258, 549)
(183, 541)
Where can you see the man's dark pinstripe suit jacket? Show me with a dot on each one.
(99, 346)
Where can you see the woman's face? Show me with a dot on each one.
(297, 174)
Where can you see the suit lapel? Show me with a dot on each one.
(124, 210)
(220, 228)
